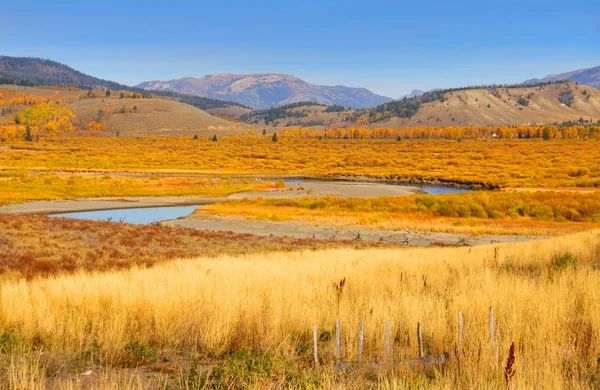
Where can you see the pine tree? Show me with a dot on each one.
(274, 138)
(214, 138)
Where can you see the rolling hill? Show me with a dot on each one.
(37, 71)
(150, 116)
(543, 104)
(262, 91)
(590, 77)
(494, 105)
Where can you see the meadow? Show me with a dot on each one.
(20, 186)
(480, 212)
(485, 162)
(110, 305)
(245, 321)
(38, 245)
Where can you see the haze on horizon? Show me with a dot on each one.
(387, 47)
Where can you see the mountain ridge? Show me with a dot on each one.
(33, 71)
(585, 76)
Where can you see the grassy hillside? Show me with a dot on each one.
(151, 115)
(301, 114)
(552, 103)
(39, 72)
(142, 117)
(486, 106)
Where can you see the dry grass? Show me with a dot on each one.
(34, 245)
(544, 294)
(481, 212)
(20, 187)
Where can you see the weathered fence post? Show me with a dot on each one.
(492, 325)
(338, 352)
(460, 329)
(316, 351)
(388, 347)
(361, 338)
(420, 337)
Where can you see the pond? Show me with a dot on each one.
(297, 188)
(139, 216)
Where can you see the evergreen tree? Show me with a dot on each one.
(274, 137)
(108, 93)
(214, 138)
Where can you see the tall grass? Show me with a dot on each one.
(550, 309)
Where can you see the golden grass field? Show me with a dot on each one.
(87, 305)
(246, 321)
(19, 187)
(503, 163)
(481, 212)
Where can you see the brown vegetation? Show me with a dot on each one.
(37, 245)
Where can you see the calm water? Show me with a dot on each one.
(441, 190)
(432, 190)
(140, 216)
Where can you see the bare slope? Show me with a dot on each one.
(152, 117)
(268, 90)
(538, 105)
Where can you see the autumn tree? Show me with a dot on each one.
(46, 117)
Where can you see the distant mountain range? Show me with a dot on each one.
(268, 90)
(590, 77)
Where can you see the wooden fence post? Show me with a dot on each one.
(388, 347)
(361, 337)
(338, 352)
(420, 337)
(316, 351)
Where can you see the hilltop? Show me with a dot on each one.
(262, 91)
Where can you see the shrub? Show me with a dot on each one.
(9, 341)
(564, 261)
(246, 367)
(137, 353)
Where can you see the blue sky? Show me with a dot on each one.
(390, 47)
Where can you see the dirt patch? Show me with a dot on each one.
(302, 230)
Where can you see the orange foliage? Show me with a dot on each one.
(13, 100)
(451, 132)
(226, 118)
(97, 126)
(500, 162)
